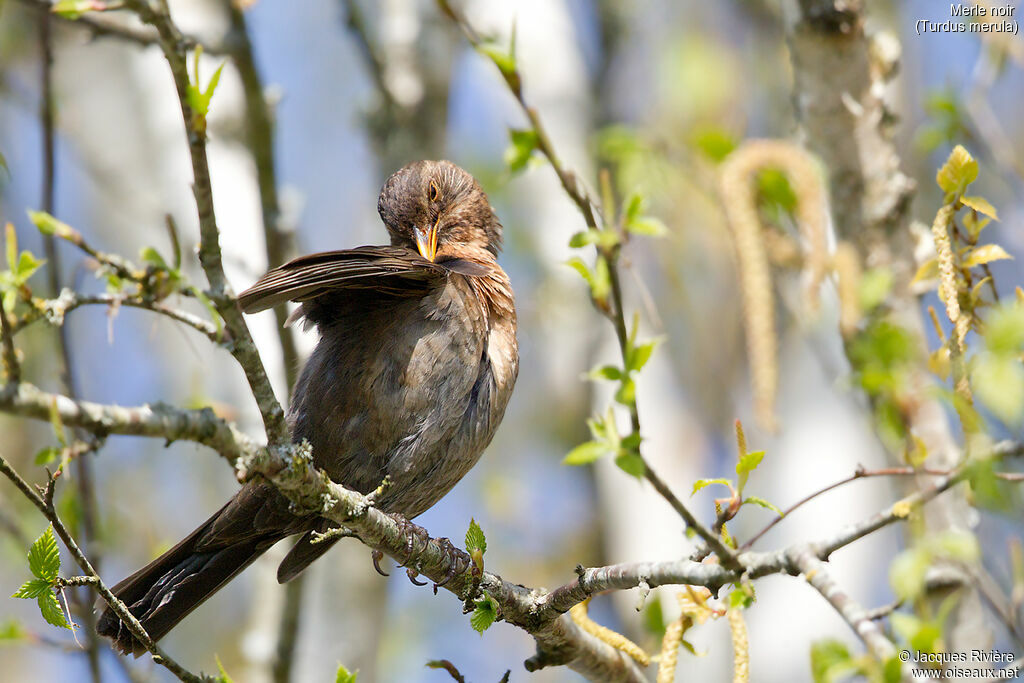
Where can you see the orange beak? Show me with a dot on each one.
(426, 242)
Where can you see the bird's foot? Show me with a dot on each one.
(412, 574)
(412, 533)
(458, 561)
(377, 557)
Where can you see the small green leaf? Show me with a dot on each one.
(608, 372)
(748, 462)
(586, 453)
(522, 144)
(503, 59)
(639, 355)
(475, 539)
(485, 614)
(986, 253)
(11, 240)
(33, 588)
(631, 463)
(582, 238)
(12, 630)
(742, 597)
(829, 660)
(72, 9)
(224, 677)
(998, 382)
(959, 171)
(46, 455)
(704, 483)
(763, 503)
(920, 634)
(632, 442)
(577, 264)
(626, 393)
(647, 225)
(981, 205)
(51, 611)
(343, 675)
(48, 225)
(153, 257)
(715, 143)
(218, 322)
(43, 556)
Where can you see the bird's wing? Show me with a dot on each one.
(394, 271)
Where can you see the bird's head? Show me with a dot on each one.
(436, 208)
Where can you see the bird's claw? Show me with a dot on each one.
(412, 574)
(377, 557)
(411, 532)
(456, 562)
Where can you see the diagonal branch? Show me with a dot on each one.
(45, 504)
(172, 42)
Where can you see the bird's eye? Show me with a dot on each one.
(435, 193)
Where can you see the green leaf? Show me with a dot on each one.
(27, 266)
(48, 225)
(747, 463)
(715, 143)
(51, 611)
(1004, 329)
(981, 205)
(582, 238)
(907, 573)
(485, 614)
(703, 483)
(774, 188)
(959, 171)
(763, 503)
(626, 394)
(608, 372)
(224, 677)
(586, 453)
(631, 463)
(522, 144)
(829, 660)
(475, 539)
(742, 597)
(33, 588)
(218, 322)
(502, 58)
(577, 264)
(632, 442)
(46, 455)
(875, 285)
(43, 556)
(639, 355)
(985, 253)
(13, 630)
(153, 257)
(647, 225)
(343, 675)
(919, 634)
(601, 285)
(998, 382)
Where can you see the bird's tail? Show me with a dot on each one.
(166, 590)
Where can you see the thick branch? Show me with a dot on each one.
(157, 420)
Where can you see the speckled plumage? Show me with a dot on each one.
(415, 365)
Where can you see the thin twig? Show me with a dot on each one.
(242, 347)
(587, 205)
(45, 505)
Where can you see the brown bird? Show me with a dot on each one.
(416, 362)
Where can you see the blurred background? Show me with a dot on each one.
(651, 88)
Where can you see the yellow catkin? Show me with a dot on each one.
(846, 263)
(670, 651)
(948, 293)
(578, 613)
(736, 184)
(740, 647)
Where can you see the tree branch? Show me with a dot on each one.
(45, 505)
(172, 42)
(157, 420)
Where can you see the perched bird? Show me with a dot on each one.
(415, 364)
